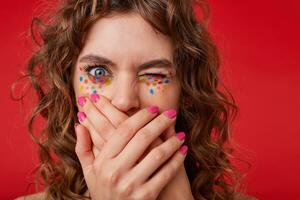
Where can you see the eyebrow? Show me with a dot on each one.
(157, 63)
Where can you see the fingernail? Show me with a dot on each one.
(95, 97)
(170, 113)
(81, 100)
(153, 109)
(183, 149)
(180, 135)
(81, 116)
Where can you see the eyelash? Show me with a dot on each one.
(89, 68)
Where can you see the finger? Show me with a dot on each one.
(154, 144)
(165, 174)
(96, 118)
(109, 111)
(83, 147)
(127, 130)
(141, 172)
(96, 138)
(139, 143)
(169, 132)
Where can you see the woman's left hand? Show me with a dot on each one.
(179, 187)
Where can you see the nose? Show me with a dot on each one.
(125, 97)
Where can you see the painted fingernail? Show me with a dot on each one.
(153, 109)
(95, 97)
(183, 149)
(170, 113)
(81, 100)
(81, 116)
(180, 135)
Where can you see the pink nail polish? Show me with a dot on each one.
(183, 149)
(81, 100)
(180, 135)
(153, 109)
(95, 97)
(171, 113)
(81, 116)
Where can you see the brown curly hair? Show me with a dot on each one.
(206, 107)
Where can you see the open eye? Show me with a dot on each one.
(97, 71)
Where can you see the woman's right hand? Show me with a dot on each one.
(115, 174)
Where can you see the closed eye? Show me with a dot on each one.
(155, 75)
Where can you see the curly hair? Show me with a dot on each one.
(206, 108)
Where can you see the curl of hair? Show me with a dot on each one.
(206, 107)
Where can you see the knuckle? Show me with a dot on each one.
(174, 144)
(102, 127)
(112, 177)
(162, 120)
(124, 129)
(148, 195)
(126, 190)
(158, 154)
(144, 135)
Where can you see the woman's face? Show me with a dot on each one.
(125, 60)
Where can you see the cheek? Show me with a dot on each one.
(163, 92)
(154, 85)
(88, 86)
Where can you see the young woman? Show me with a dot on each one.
(133, 102)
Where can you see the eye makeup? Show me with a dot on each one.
(94, 77)
(92, 83)
(155, 82)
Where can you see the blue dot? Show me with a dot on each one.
(81, 78)
(151, 91)
(166, 81)
(95, 91)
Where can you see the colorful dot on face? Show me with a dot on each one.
(81, 78)
(155, 82)
(151, 91)
(81, 88)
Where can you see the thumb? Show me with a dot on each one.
(83, 146)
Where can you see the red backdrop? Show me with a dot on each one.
(259, 42)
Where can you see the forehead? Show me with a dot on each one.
(124, 37)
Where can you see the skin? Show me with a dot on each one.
(125, 91)
(129, 41)
(125, 99)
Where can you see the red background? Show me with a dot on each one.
(259, 42)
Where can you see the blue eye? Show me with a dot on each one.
(97, 71)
